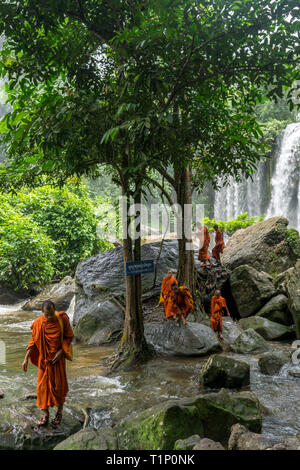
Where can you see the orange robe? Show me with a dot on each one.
(217, 307)
(166, 288)
(204, 238)
(183, 298)
(52, 385)
(220, 245)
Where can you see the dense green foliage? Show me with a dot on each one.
(68, 219)
(27, 254)
(292, 237)
(231, 226)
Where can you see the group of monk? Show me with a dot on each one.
(178, 301)
(52, 335)
(204, 237)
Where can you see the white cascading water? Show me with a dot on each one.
(285, 182)
(246, 196)
(239, 197)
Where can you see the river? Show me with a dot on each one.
(111, 398)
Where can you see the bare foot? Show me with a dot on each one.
(44, 419)
(57, 420)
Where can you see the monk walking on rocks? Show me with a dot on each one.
(204, 237)
(219, 244)
(179, 303)
(48, 349)
(218, 305)
(166, 284)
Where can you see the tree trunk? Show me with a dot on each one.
(133, 348)
(186, 273)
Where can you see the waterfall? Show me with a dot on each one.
(280, 196)
(285, 198)
(240, 197)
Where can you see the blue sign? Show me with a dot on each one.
(134, 268)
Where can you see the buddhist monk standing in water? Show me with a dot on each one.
(218, 305)
(204, 237)
(179, 303)
(48, 348)
(167, 282)
(220, 245)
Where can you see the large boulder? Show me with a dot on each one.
(277, 310)
(243, 439)
(100, 288)
(264, 246)
(10, 296)
(208, 444)
(192, 339)
(61, 294)
(251, 289)
(90, 439)
(250, 342)
(19, 431)
(223, 371)
(293, 291)
(270, 363)
(209, 415)
(269, 330)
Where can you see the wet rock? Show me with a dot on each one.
(187, 444)
(100, 284)
(19, 430)
(222, 371)
(98, 326)
(250, 289)
(263, 246)
(10, 296)
(231, 331)
(277, 310)
(269, 330)
(280, 281)
(1, 394)
(193, 339)
(293, 290)
(208, 444)
(271, 362)
(90, 439)
(250, 342)
(61, 294)
(209, 415)
(243, 439)
(295, 373)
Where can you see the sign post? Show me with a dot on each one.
(135, 268)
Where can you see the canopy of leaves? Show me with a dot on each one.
(27, 254)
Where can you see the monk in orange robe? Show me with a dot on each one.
(167, 282)
(48, 348)
(179, 303)
(218, 305)
(220, 245)
(204, 237)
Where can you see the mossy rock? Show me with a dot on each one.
(270, 363)
(187, 444)
(210, 415)
(250, 342)
(222, 371)
(269, 330)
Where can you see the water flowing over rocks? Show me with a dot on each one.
(224, 372)
(193, 339)
(251, 289)
(61, 294)
(209, 415)
(270, 363)
(19, 430)
(263, 246)
(250, 342)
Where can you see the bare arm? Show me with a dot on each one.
(27, 356)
